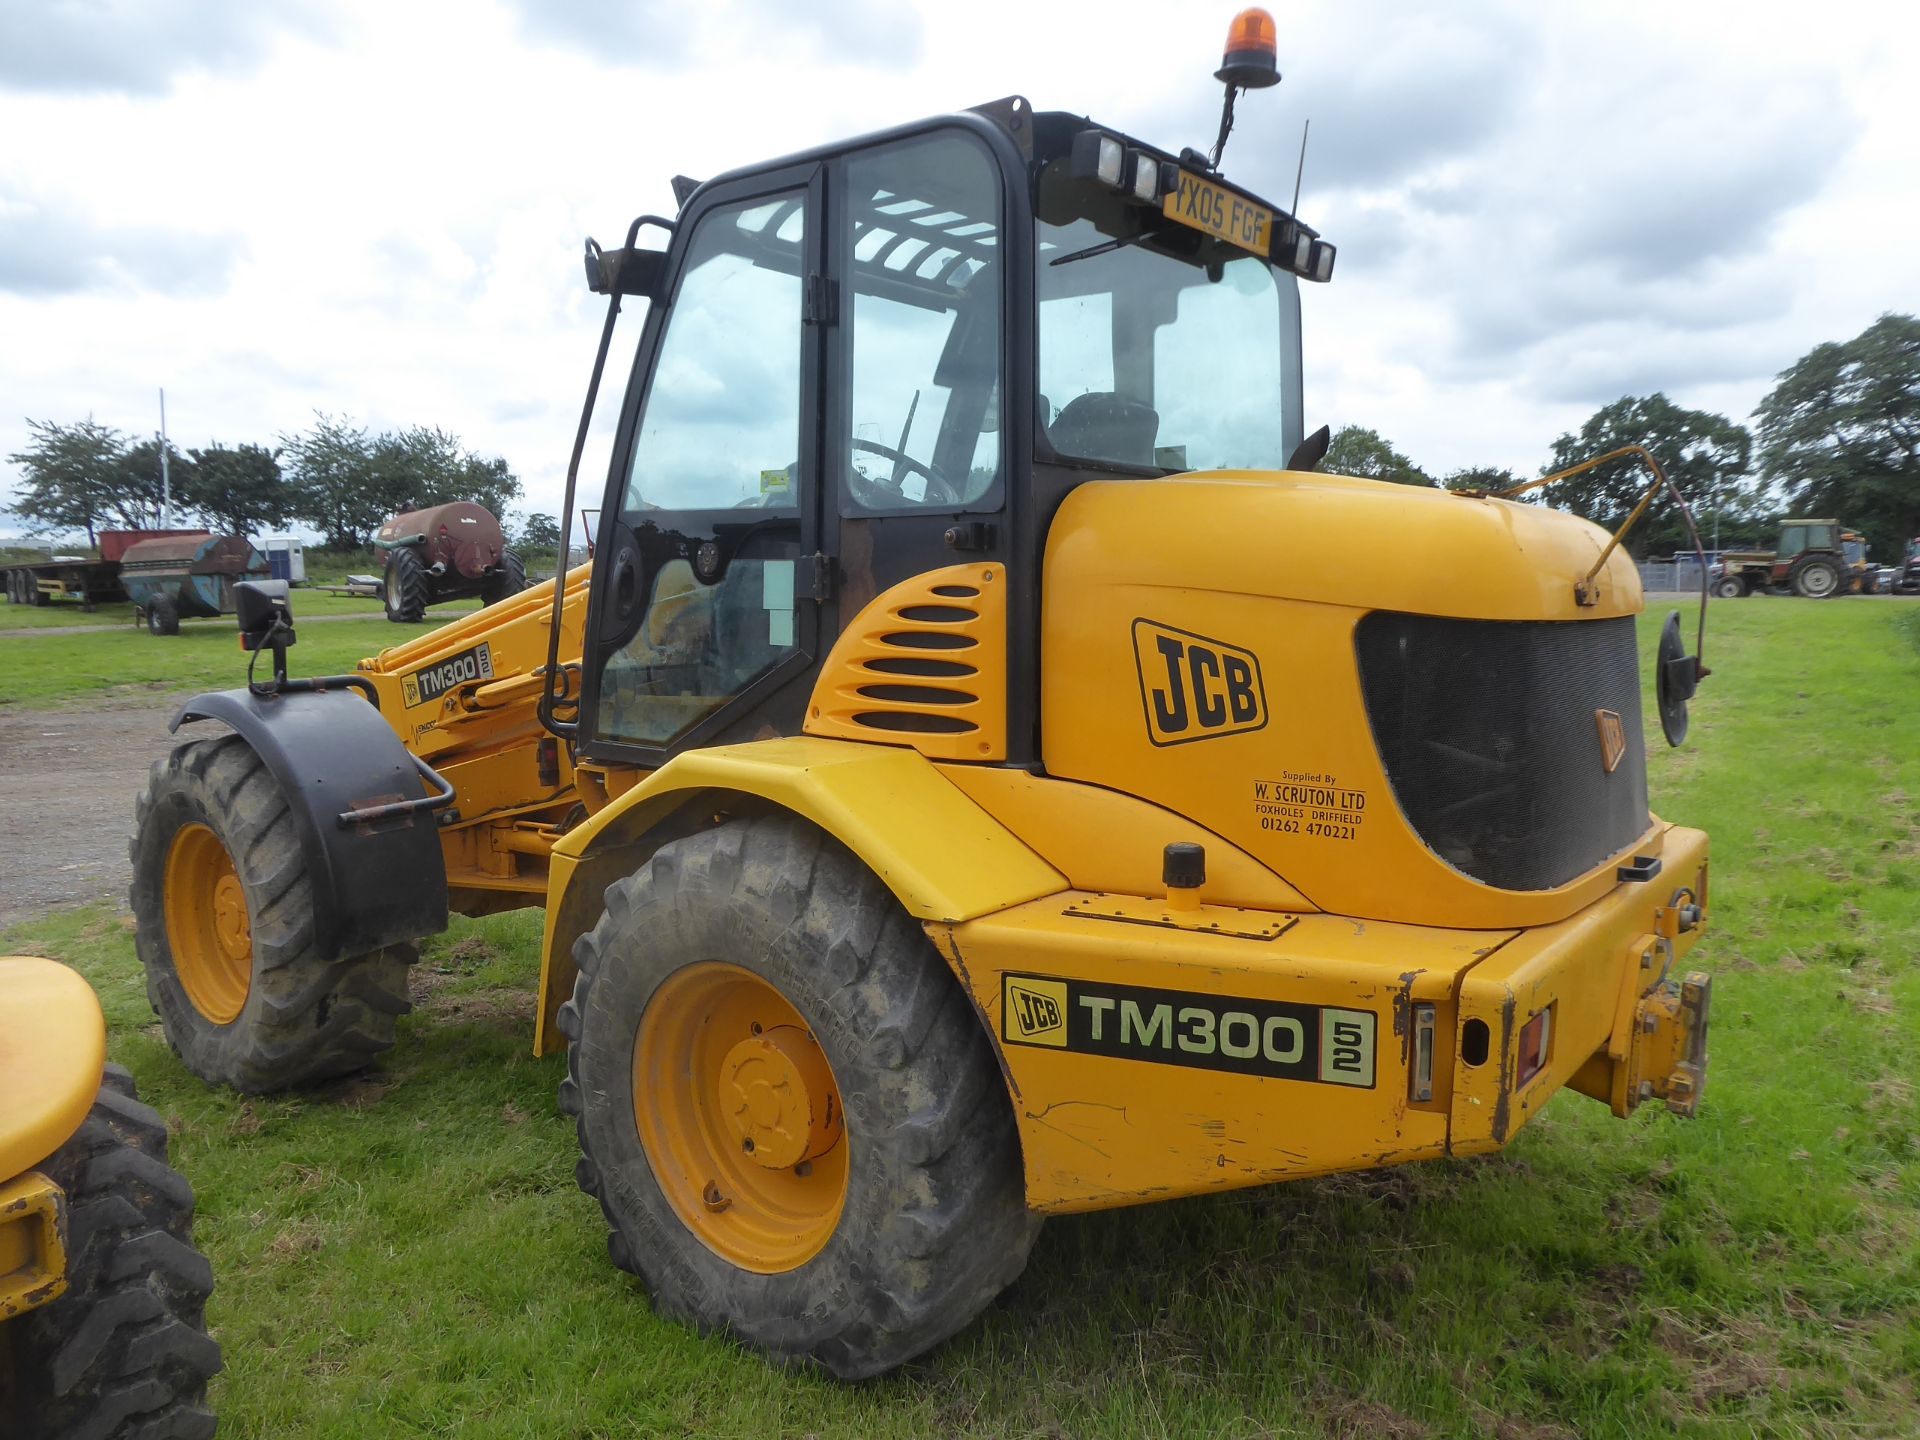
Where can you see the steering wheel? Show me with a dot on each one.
(939, 491)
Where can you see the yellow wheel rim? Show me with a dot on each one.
(740, 1117)
(207, 925)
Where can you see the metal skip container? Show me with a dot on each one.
(178, 576)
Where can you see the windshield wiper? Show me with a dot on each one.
(1106, 246)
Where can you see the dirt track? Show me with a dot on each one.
(67, 782)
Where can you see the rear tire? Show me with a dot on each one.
(931, 1221)
(162, 617)
(224, 925)
(1817, 578)
(508, 578)
(125, 1352)
(407, 586)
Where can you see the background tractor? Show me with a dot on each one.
(102, 1295)
(447, 552)
(1811, 561)
(969, 783)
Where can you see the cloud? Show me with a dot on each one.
(138, 47)
(43, 253)
(658, 33)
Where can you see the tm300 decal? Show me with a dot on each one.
(1182, 1027)
(433, 681)
(1194, 688)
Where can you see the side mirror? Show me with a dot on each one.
(1676, 675)
(265, 614)
(626, 271)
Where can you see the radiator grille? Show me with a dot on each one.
(1492, 736)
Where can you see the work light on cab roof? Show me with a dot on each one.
(1190, 191)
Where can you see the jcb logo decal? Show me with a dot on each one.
(1194, 688)
(1036, 1011)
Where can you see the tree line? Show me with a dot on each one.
(335, 477)
(1838, 437)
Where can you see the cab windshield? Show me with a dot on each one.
(1159, 347)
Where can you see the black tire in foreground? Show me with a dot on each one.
(1817, 577)
(933, 1223)
(224, 925)
(509, 578)
(408, 588)
(125, 1352)
(162, 617)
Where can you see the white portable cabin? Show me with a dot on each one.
(286, 560)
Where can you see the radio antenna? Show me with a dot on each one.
(1302, 170)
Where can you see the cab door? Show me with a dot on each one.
(709, 574)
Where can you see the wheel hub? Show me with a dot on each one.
(208, 930)
(739, 1114)
(778, 1098)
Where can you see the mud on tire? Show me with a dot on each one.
(304, 1019)
(934, 1223)
(125, 1352)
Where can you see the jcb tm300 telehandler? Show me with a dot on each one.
(970, 781)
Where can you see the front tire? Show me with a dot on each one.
(406, 589)
(224, 925)
(125, 1352)
(162, 617)
(1729, 588)
(886, 1237)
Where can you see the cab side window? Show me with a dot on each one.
(713, 489)
(925, 282)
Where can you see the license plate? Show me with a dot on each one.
(1217, 211)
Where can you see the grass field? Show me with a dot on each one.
(305, 603)
(53, 670)
(407, 1254)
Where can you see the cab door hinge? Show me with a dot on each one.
(815, 577)
(822, 303)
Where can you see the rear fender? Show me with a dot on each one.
(944, 858)
(374, 883)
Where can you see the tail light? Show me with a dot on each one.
(1536, 1043)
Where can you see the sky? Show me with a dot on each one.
(374, 208)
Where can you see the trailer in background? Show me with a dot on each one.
(187, 575)
(79, 577)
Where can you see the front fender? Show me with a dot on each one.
(944, 858)
(374, 883)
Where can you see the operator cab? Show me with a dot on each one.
(891, 356)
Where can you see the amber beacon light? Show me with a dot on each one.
(1252, 49)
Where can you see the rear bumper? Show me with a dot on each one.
(1624, 1023)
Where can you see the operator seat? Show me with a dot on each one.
(1101, 425)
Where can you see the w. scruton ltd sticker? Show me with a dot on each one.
(1275, 1038)
(432, 681)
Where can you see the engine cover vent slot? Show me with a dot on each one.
(924, 664)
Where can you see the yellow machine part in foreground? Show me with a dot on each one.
(53, 1043)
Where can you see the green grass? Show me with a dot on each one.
(407, 1254)
(53, 670)
(306, 603)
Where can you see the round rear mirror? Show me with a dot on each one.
(1675, 676)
